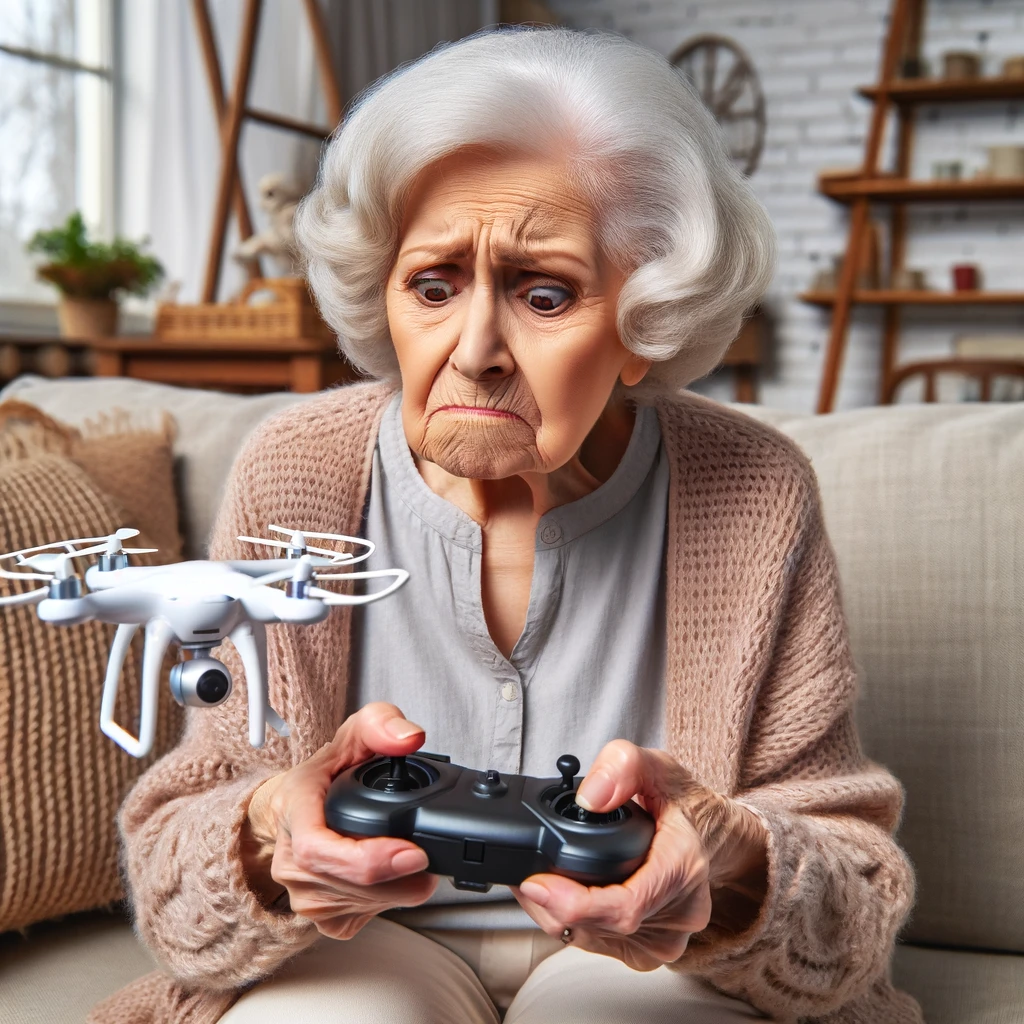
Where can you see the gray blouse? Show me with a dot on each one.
(589, 666)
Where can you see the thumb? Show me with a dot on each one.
(377, 728)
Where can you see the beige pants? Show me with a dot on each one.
(389, 974)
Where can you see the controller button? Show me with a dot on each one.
(461, 883)
(473, 851)
(489, 783)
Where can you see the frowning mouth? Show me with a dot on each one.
(476, 410)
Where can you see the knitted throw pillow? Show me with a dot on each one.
(61, 779)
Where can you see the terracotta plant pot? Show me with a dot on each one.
(87, 318)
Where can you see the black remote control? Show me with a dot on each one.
(482, 828)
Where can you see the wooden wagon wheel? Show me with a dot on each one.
(724, 76)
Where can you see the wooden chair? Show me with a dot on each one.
(982, 370)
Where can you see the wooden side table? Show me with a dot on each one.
(301, 365)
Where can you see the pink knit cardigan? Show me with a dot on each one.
(760, 695)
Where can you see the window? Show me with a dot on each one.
(56, 128)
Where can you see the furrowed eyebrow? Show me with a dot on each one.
(514, 257)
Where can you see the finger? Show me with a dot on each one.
(317, 848)
(377, 728)
(546, 921)
(675, 869)
(611, 908)
(623, 770)
(324, 896)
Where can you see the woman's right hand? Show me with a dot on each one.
(338, 883)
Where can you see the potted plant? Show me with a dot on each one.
(88, 274)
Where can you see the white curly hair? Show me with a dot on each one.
(671, 210)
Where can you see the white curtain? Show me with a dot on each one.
(170, 153)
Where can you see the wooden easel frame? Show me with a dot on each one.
(231, 111)
(904, 28)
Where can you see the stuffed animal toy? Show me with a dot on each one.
(279, 197)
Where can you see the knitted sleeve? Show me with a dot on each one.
(839, 887)
(180, 825)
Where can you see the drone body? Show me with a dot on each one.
(195, 605)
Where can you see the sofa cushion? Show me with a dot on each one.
(210, 429)
(59, 970)
(61, 779)
(961, 987)
(924, 507)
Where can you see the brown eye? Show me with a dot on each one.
(434, 289)
(546, 298)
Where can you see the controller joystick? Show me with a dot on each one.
(483, 827)
(396, 775)
(568, 766)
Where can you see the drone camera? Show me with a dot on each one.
(200, 682)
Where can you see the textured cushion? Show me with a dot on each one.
(58, 971)
(925, 507)
(962, 988)
(210, 429)
(61, 779)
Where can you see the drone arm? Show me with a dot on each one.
(250, 639)
(158, 639)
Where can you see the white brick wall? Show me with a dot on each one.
(810, 56)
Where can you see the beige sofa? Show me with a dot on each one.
(925, 506)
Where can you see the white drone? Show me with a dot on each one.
(196, 605)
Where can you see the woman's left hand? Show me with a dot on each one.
(647, 921)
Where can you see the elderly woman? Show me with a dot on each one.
(534, 241)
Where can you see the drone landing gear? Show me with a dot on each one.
(249, 638)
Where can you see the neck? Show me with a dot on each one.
(537, 493)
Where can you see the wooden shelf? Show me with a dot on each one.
(845, 190)
(887, 297)
(940, 90)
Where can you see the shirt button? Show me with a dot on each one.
(509, 691)
(551, 533)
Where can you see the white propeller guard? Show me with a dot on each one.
(32, 597)
(330, 598)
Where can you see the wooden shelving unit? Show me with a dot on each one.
(905, 190)
(897, 189)
(888, 297)
(939, 90)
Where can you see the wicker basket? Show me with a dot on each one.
(291, 316)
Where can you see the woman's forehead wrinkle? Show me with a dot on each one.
(459, 241)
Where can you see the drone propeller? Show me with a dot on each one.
(54, 562)
(45, 561)
(297, 541)
(301, 572)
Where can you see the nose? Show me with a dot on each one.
(481, 353)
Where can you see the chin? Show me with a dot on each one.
(481, 451)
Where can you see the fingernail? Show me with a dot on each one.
(597, 789)
(401, 729)
(536, 892)
(408, 861)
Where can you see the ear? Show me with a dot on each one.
(634, 370)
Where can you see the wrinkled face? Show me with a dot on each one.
(503, 317)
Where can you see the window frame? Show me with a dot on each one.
(97, 101)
